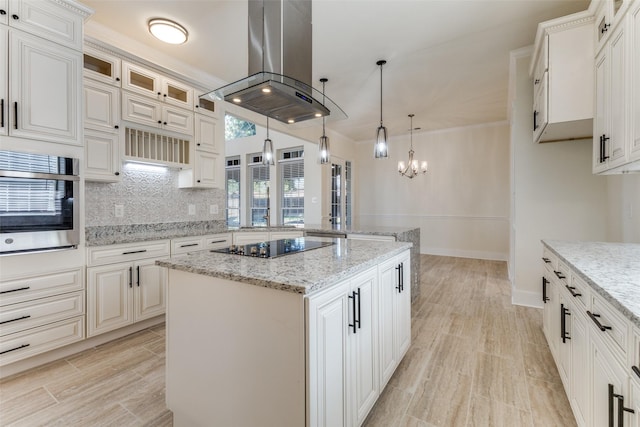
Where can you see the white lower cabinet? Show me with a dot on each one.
(39, 313)
(343, 340)
(122, 293)
(634, 405)
(590, 342)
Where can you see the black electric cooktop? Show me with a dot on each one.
(274, 248)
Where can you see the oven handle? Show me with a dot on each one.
(32, 175)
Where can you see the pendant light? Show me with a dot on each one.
(381, 149)
(323, 145)
(267, 149)
(411, 170)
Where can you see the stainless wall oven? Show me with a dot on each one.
(39, 197)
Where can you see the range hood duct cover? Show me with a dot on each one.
(280, 71)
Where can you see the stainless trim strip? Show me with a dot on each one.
(32, 175)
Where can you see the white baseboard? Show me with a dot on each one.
(493, 256)
(526, 298)
(66, 351)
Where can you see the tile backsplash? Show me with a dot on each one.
(148, 196)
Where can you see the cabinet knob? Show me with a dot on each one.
(117, 79)
(605, 28)
(198, 144)
(198, 181)
(164, 123)
(536, 81)
(159, 93)
(197, 106)
(117, 127)
(165, 95)
(3, 12)
(117, 174)
(16, 17)
(159, 122)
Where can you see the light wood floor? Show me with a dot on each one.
(475, 360)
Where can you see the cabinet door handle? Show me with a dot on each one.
(636, 370)
(571, 289)
(217, 241)
(16, 290)
(535, 116)
(398, 278)
(131, 277)
(604, 147)
(14, 16)
(611, 405)
(15, 115)
(545, 298)
(138, 275)
(546, 260)
(353, 325)
(594, 317)
(402, 277)
(601, 152)
(563, 323)
(189, 245)
(621, 408)
(559, 274)
(15, 320)
(14, 349)
(1, 113)
(134, 252)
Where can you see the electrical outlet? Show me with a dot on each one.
(213, 209)
(119, 211)
(192, 209)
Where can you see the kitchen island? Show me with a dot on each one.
(304, 339)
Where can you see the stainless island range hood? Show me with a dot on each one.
(280, 57)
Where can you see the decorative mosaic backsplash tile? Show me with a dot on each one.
(149, 195)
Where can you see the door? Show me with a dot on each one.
(206, 133)
(338, 193)
(388, 283)
(601, 118)
(207, 169)
(177, 120)
(44, 89)
(328, 358)
(102, 156)
(403, 308)
(101, 106)
(364, 379)
(109, 298)
(149, 289)
(141, 110)
(609, 380)
(616, 144)
(579, 368)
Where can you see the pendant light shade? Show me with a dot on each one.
(381, 149)
(267, 149)
(323, 144)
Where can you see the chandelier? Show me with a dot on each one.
(410, 169)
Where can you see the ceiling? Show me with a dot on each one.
(447, 60)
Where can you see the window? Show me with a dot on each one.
(258, 190)
(237, 128)
(232, 185)
(292, 186)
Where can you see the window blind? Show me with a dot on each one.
(258, 193)
(292, 191)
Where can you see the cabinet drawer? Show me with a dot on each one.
(549, 259)
(186, 245)
(634, 356)
(25, 344)
(562, 273)
(579, 292)
(217, 241)
(19, 317)
(101, 255)
(616, 332)
(39, 286)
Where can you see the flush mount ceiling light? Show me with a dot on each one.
(323, 144)
(411, 169)
(381, 149)
(168, 31)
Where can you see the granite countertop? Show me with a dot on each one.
(115, 234)
(611, 269)
(303, 273)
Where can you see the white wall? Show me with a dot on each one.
(624, 208)
(461, 205)
(555, 195)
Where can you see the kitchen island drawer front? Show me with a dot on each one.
(550, 260)
(217, 241)
(580, 293)
(185, 245)
(19, 317)
(562, 273)
(40, 286)
(101, 255)
(34, 341)
(616, 328)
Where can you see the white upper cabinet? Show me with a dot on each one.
(4, 12)
(101, 106)
(206, 134)
(562, 74)
(608, 14)
(149, 83)
(44, 89)
(101, 66)
(53, 21)
(616, 142)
